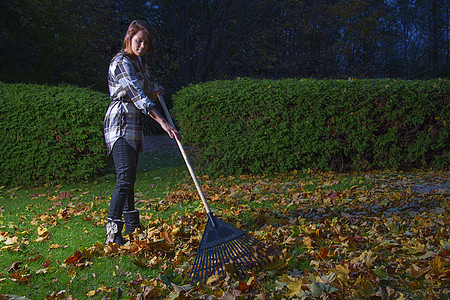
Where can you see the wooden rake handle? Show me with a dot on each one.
(186, 159)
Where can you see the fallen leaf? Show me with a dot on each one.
(55, 246)
(19, 277)
(42, 271)
(63, 195)
(14, 266)
(213, 279)
(90, 294)
(11, 241)
(43, 234)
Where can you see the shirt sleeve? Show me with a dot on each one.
(152, 93)
(125, 74)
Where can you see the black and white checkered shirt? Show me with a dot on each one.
(128, 82)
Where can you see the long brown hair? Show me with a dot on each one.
(134, 28)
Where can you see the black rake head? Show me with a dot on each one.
(225, 248)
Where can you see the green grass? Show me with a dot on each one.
(21, 206)
(304, 213)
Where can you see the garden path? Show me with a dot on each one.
(163, 144)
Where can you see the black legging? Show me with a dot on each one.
(125, 159)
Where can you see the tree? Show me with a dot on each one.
(72, 41)
(56, 41)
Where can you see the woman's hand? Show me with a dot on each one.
(171, 131)
(159, 91)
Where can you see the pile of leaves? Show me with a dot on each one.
(375, 235)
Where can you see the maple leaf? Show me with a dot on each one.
(42, 271)
(322, 254)
(367, 258)
(167, 237)
(91, 293)
(437, 265)
(414, 271)
(55, 246)
(63, 195)
(150, 289)
(365, 288)
(57, 295)
(77, 260)
(213, 279)
(296, 290)
(318, 289)
(20, 277)
(43, 234)
(11, 240)
(230, 295)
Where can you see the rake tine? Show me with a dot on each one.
(243, 258)
(259, 246)
(246, 246)
(212, 261)
(222, 259)
(223, 247)
(208, 264)
(237, 259)
(246, 243)
(226, 256)
(194, 268)
(251, 244)
(219, 261)
(204, 274)
(212, 264)
(230, 249)
(215, 268)
(201, 265)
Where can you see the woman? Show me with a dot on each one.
(129, 81)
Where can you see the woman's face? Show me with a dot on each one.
(140, 43)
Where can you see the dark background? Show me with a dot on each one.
(64, 41)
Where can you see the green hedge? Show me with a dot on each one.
(248, 125)
(50, 133)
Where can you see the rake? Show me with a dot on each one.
(223, 247)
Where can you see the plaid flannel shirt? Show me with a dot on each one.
(128, 87)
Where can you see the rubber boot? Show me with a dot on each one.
(114, 232)
(131, 221)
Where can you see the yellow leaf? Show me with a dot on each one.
(11, 241)
(437, 264)
(90, 294)
(290, 240)
(111, 248)
(168, 237)
(342, 271)
(42, 271)
(87, 253)
(42, 231)
(415, 271)
(215, 197)
(295, 289)
(308, 242)
(42, 238)
(213, 279)
(105, 289)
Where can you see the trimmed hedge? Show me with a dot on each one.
(50, 133)
(253, 126)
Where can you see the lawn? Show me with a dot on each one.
(358, 235)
